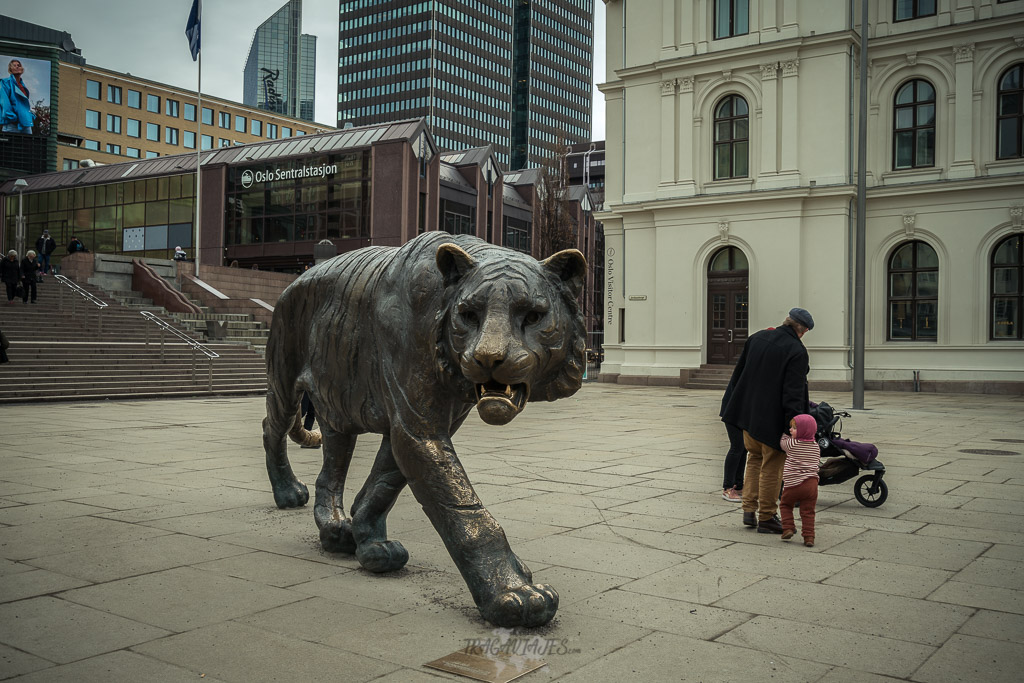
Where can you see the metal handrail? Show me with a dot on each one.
(196, 346)
(88, 296)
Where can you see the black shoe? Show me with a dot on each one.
(749, 519)
(771, 526)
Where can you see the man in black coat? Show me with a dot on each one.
(45, 246)
(770, 389)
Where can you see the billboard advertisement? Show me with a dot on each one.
(24, 95)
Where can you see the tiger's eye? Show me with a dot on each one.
(470, 317)
(532, 318)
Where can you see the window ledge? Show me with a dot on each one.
(912, 175)
(730, 185)
(1004, 166)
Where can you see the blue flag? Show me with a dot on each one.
(192, 29)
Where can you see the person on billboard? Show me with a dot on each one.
(15, 107)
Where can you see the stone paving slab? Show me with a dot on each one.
(139, 541)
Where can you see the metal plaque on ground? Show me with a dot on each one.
(493, 669)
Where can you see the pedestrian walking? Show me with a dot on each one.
(735, 458)
(29, 268)
(800, 477)
(771, 389)
(45, 245)
(10, 275)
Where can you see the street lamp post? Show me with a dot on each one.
(19, 227)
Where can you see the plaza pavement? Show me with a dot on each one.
(140, 542)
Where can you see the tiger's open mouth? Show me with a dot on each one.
(498, 403)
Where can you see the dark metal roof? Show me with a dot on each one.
(449, 174)
(304, 145)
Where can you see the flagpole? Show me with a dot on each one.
(199, 150)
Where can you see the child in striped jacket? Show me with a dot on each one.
(800, 478)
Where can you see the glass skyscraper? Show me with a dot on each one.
(516, 75)
(280, 72)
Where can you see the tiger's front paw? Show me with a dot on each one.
(292, 494)
(528, 605)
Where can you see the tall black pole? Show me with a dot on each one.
(858, 276)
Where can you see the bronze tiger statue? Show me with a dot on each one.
(404, 342)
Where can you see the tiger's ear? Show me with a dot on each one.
(570, 267)
(453, 263)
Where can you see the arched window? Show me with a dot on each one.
(731, 137)
(1010, 114)
(914, 126)
(913, 292)
(1007, 288)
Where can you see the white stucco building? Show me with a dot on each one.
(731, 187)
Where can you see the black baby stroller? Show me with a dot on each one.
(844, 459)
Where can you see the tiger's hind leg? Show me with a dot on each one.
(289, 492)
(369, 515)
(329, 508)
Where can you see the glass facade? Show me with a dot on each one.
(513, 75)
(264, 205)
(280, 71)
(146, 218)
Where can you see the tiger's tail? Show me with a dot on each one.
(302, 436)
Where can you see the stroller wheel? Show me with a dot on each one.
(866, 492)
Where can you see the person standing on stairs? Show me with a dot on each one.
(29, 268)
(10, 275)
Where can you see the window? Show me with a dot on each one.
(913, 9)
(152, 155)
(132, 152)
(1010, 114)
(239, 124)
(91, 144)
(207, 116)
(171, 108)
(153, 132)
(92, 89)
(113, 149)
(913, 292)
(153, 103)
(286, 132)
(1007, 288)
(256, 127)
(92, 119)
(207, 142)
(135, 99)
(731, 18)
(731, 138)
(189, 139)
(113, 123)
(224, 119)
(914, 126)
(113, 94)
(190, 112)
(170, 135)
(272, 131)
(70, 164)
(223, 142)
(134, 128)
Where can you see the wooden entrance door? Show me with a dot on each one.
(728, 306)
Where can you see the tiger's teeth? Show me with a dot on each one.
(508, 390)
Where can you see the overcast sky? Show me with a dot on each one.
(146, 38)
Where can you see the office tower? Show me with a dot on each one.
(280, 72)
(513, 75)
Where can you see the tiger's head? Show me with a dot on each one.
(512, 328)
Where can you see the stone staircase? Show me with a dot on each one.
(229, 328)
(709, 377)
(77, 351)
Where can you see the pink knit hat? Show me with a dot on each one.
(806, 426)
